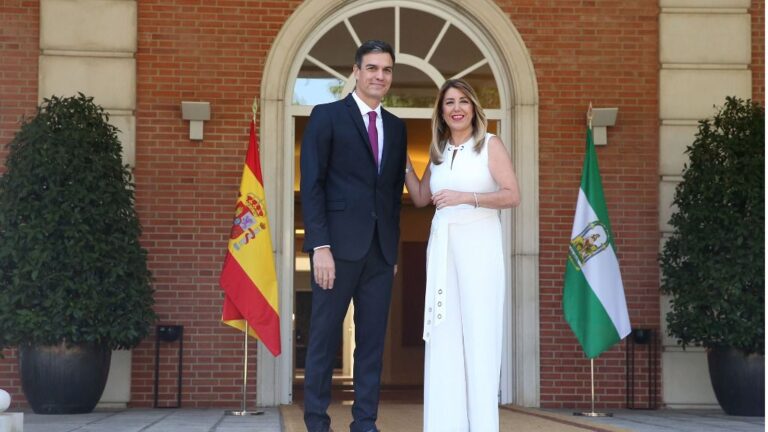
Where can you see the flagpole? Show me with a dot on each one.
(589, 242)
(592, 412)
(243, 411)
(592, 382)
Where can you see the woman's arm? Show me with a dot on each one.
(503, 172)
(417, 189)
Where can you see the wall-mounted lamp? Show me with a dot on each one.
(601, 119)
(196, 113)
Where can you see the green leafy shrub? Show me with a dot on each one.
(713, 266)
(71, 266)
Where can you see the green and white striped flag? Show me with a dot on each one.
(593, 298)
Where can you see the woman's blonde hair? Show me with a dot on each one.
(440, 130)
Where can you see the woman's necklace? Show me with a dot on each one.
(455, 150)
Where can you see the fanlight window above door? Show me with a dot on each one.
(429, 49)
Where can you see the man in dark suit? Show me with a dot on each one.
(352, 171)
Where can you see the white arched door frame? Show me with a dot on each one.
(519, 129)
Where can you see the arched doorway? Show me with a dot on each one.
(310, 63)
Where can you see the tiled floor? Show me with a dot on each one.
(668, 420)
(215, 420)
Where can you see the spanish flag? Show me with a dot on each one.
(248, 276)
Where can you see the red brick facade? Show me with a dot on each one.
(609, 56)
(211, 51)
(215, 51)
(758, 51)
(19, 49)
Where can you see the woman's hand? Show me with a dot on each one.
(447, 198)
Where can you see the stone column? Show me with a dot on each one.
(89, 46)
(704, 56)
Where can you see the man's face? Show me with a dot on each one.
(374, 76)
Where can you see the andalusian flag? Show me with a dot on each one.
(593, 298)
(248, 276)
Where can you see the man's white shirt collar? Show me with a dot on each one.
(364, 108)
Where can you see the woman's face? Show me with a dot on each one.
(457, 110)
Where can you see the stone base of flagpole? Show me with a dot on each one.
(243, 413)
(593, 414)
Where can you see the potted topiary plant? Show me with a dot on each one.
(74, 283)
(713, 265)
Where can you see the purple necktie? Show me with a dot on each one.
(373, 137)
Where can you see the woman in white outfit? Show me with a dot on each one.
(469, 178)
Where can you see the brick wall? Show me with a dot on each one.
(195, 51)
(19, 47)
(606, 53)
(758, 51)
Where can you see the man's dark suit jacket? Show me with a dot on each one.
(343, 198)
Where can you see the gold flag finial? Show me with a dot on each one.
(589, 115)
(255, 107)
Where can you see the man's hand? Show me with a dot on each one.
(324, 268)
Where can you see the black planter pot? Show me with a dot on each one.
(738, 381)
(61, 379)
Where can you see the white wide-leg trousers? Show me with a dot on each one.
(463, 354)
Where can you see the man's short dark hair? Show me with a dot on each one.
(373, 46)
